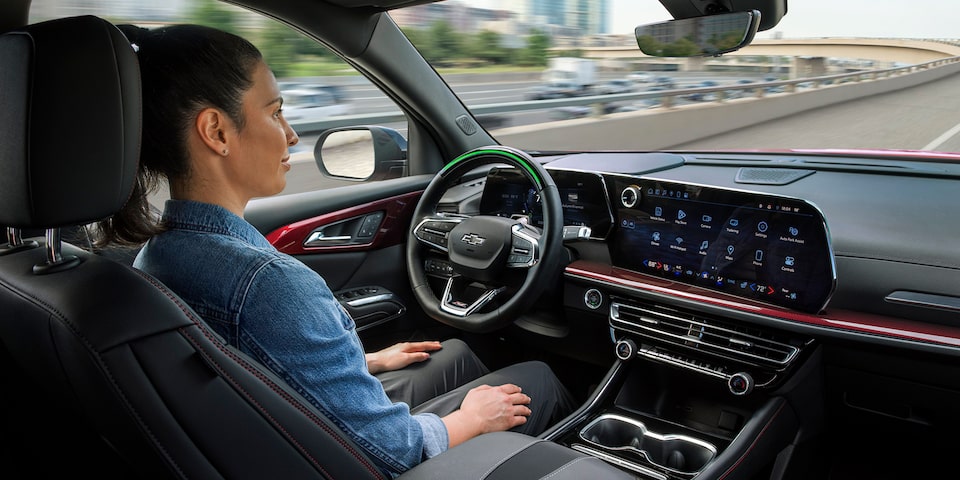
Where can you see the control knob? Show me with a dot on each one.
(740, 383)
(626, 349)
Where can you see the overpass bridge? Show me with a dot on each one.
(809, 55)
(908, 51)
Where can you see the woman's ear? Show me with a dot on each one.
(211, 126)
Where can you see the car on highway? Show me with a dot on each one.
(701, 96)
(616, 86)
(307, 104)
(554, 90)
(640, 77)
(759, 289)
(664, 81)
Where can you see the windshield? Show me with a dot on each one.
(831, 75)
(555, 75)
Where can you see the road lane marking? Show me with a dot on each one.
(943, 138)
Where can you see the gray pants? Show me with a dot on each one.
(439, 384)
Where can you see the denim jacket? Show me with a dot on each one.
(277, 310)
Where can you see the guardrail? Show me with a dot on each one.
(667, 98)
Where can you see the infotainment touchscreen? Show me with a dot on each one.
(769, 248)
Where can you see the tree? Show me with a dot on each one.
(486, 46)
(214, 14)
(444, 43)
(278, 44)
(535, 53)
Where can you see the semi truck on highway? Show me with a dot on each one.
(580, 72)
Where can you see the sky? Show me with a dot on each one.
(826, 18)
(816, 18)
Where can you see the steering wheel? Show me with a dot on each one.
(485, 255)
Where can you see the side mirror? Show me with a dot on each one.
(364, 153)
(707, 36)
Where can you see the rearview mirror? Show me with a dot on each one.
(707, 36)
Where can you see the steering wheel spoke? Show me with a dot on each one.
(434, 230)
(456, 302)
(524, 248)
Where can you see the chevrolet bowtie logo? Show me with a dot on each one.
(473, 239)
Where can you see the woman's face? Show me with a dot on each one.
(261, 155)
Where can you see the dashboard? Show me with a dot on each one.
(770, 248)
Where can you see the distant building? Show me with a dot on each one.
(574, 17)
(570, 18)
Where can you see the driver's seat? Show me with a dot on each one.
(105, 371)
(142, 380)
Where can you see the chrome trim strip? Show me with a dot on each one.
(647, 472)
(316, 239)
(518, 231)
(448, 307)
(368, 300)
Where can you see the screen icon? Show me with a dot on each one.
(681, 214)
(762, 227)
(657, 212)
(789, 261)
(730, 249)
(706, 219)
(794, 231)
(656, 236)
(759, 255)
(734, 222)
(704, 245)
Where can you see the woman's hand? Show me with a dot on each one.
(400, 355)
(487, 409)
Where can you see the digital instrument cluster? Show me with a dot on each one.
(770, 248)
(583, 198)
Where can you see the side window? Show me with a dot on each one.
(320, 90)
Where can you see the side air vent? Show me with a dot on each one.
(709, 335)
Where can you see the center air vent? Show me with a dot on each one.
(739, 342)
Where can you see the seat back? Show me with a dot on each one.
(104, 370)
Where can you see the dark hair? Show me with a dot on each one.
(183, 69)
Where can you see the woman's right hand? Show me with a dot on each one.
(487, 409)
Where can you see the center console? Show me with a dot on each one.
(692, 394)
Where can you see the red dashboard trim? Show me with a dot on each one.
(837, 319)
(398, 212)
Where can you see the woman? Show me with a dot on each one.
(214, 129)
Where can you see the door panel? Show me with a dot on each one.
(359, 265)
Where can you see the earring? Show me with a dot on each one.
(225, 151)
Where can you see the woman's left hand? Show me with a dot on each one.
(400, 355)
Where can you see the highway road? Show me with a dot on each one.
(921, 118)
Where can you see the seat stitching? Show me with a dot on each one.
(242, 362)
(56, 313)
(504, 459)
(754, 443)
(565, 466)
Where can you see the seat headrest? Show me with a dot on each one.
(70, 122)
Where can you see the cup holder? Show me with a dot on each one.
(675, 453)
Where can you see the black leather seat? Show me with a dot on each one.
(107, 372)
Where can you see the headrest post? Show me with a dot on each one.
(15, 242)
(13, 237)
(55, 261)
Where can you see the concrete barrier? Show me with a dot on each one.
(659, 129)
